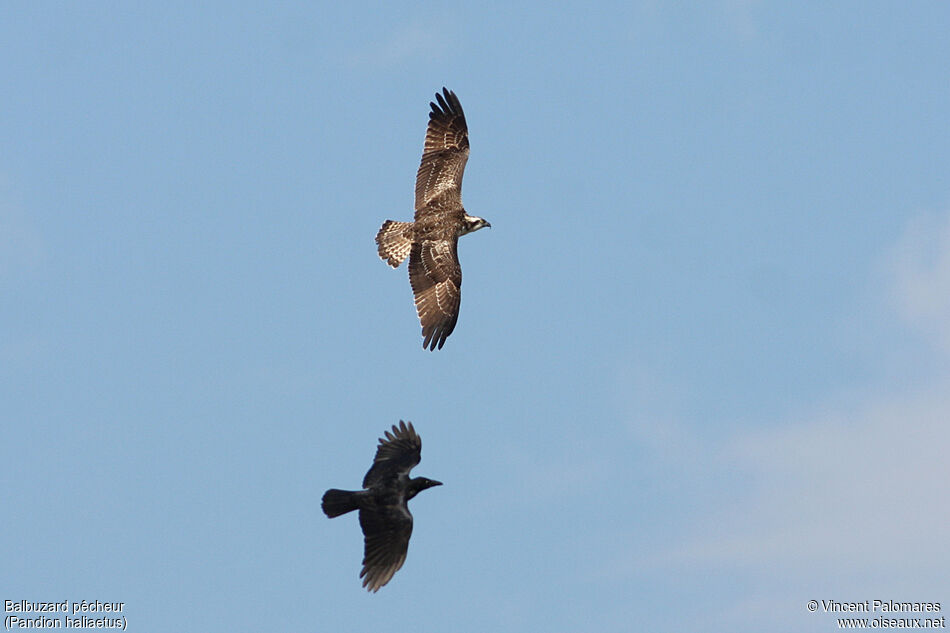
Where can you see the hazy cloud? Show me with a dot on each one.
(740, 18)
(651, 412)
(920, 271)
(414, 40)
(857, 485)
(861, 486)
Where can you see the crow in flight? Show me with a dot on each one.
(384, 514)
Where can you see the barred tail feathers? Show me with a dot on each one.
(394, 241)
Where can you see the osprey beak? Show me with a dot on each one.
(488, 224)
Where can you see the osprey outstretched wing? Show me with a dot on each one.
(443, 157)
(431, 240)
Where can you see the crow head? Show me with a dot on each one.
(418, 484)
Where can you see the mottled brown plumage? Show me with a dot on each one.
(431, 240)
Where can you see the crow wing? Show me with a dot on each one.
(396, 455)
(443, 157)
(386, 532)
(436, 279)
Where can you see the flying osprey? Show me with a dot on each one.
(384, 513)
(431, 241)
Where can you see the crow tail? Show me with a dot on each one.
(337, 502)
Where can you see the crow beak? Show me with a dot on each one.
(435, 483)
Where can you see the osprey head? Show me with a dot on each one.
(471, 224)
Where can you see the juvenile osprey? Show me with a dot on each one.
(431, 241)
(384, 513)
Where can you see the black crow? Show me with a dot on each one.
(384, 513)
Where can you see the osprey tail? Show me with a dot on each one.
(337, 502)
(395, 241)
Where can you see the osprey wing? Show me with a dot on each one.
(445, 154)
(397, 454)
(436, 280)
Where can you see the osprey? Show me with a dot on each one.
(431, 241)
(384, 513)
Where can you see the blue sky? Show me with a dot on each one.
(702, 369)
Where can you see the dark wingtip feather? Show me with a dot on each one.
(448, 103)
(453, 101)
(398, 430)
(433, 340)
